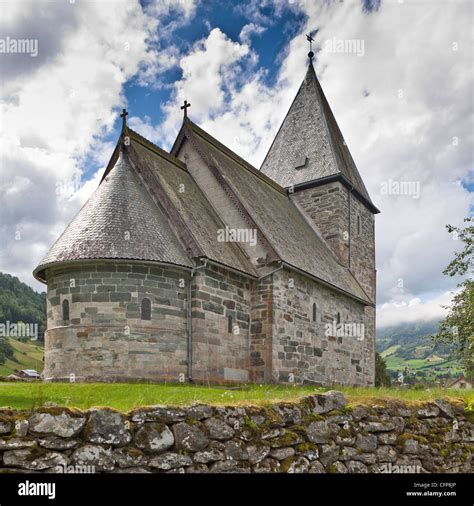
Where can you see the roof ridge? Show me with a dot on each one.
(156, 149)
(199, 131)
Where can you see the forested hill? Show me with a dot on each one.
(20, 303)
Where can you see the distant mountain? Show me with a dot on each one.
(408, 348)
(20, 303)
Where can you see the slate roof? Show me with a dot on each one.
(119, 205)
(310, 129)
(194, 209)
(288, 232)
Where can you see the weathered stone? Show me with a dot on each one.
(154, 437)
(359, 413)
(298, 466)
(411, 446)
(99, 458)
(329, 453)
(5, 427)
(267, 465)
(159, 414)
(228, 466)
(366, 443)
(387, 438)
(354, 466)
(168, 461)
(316, 468)
(428, 411)
(386, 454)
(129, 457)
(34, 459)
(107, 427)
(206, 456)
(62, 425)
(200, 412)
(16, 443)
(445, 407)
(21, 428)
(58, 443)
(257, 452)
(235, 450)
(189, 437)
(282, 453)
(219, 429)
(319, 432)
(337, 467)
(198, 469)
(290, 414)
(379, 427)
(328, 401)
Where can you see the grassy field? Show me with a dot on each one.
(27, 356)
(124, 396)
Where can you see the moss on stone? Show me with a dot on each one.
(285, 464)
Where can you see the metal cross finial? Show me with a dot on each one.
(124, 118)
(185, 108)
(310, 54)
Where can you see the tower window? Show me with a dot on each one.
(146, 309)
(314, 311)
(229, 324)
(358, 224)
(338, 318)
(65, 310)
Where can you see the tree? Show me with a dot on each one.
(458, 326)
(382, 379)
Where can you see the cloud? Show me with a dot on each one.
(58, 112)
(413, 310)
(248, 31)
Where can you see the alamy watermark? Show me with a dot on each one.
(408, 188)
(400, 469)
(356, 330)
(335, 45)
(20, 329)
(227, 234)
(11, 45)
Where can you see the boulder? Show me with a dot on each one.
(160, 414)
(323, 403)
(319, 432)
(235, 450)
(282, 453)
(34, 459)
(106, 426)
(129, 457)
(64, 424)
(366, 443)
(190, 437)
(219, 429)
(97, 457)
(168, 461)
(154, 437)
(206, 456)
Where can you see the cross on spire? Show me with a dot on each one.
(185, 108)
(124, 118)
(310, 40)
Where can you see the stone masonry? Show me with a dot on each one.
(318, 434)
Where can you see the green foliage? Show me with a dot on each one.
(458, 326)
(382, 379)
(20, 303)
(6, 350)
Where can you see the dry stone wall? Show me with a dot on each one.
(318, 434)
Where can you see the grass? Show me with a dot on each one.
(123, 396)
(26, 356)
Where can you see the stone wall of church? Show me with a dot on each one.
(304, 350)
(105, 338)
(221, 315)
(328, 207)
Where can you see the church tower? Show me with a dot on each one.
(310, 158)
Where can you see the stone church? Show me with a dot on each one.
(193, 265)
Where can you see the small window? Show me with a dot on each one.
(314, 312)
(146, 309)
(358, 224)
(66, 310)
(338, 318)
(229, 324)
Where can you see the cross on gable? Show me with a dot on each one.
(310, 40)
(124, 118)
(185, 108)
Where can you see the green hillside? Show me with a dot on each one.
(20, 303)
(26, 355)
(408, 348)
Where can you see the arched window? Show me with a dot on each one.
(314, 311)
(229, 324)
(146, 309)
(65, 310)
(338, 318)
(358, 224)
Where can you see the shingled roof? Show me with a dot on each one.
(278, 218)
(310, 130)
(119, 221)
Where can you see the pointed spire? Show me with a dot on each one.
(310, 132)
